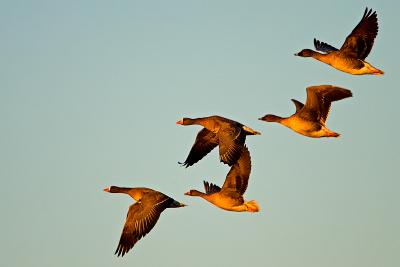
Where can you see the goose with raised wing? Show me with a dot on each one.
(350, 58)
(230, 196)
(310, 119)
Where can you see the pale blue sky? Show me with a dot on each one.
(89, 95)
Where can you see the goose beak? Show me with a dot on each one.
(187, 194)
(106, 189)
(179, 122)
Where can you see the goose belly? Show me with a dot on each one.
(353, 66)
(304, 127)
(225, 202)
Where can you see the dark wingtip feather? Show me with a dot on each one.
(184, 164)
(368, 13)
(120, 251)
(211, 188)
(125, 244)
(365, 12)
(206, 186)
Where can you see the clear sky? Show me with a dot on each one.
(89, 95)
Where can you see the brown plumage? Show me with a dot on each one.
(230, 196)
(350, 58)
(229, 135)
(310, 119)
(142, 216)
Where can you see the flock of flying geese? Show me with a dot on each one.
(308, 120)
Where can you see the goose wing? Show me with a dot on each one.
(324, 47)
(238, 176)
(360, 41)
(298, 105)
(319, 99)
(231, 142)
(211, 188)
(204, 143)
(141, 218)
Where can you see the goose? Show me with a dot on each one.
(230, 196)
(350, 58)
(229, 135)
(142, 216)
(310, 119)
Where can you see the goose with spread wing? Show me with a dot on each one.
(229, 135)
(230, 196)
(310, 119)
(350, 58)
(143, 215)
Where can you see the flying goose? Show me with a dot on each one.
(310, 119)
(143, 215)
(230, 196)
(350, 58)
(229, 135)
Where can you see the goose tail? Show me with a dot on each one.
(252, 206)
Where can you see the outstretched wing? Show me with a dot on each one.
(211, 188)
(238, 176)
(204, 143)
(360, 41)
(231, 142)
(319, 99)
(141, 218)
(324, 47)
(298, 105)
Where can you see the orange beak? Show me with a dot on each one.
(106, 189)
(180, 122)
